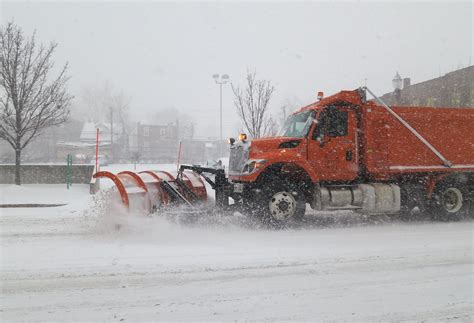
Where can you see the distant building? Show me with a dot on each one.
(89, 132)
(113, 143)
(195, 151)
(151, 143)
(156, 143)
(454, 89)
(44, 148)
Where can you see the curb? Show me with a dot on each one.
(30, 205)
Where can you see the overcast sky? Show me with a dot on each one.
(163, 54)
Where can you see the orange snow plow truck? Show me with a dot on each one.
(341, 152)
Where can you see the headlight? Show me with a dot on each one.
(242, 137)
(253, 165)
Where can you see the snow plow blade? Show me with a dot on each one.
(148, 191)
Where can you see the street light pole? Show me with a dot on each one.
(221, 80)
(220, 128)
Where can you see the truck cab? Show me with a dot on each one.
(317, 145)
(320, 139)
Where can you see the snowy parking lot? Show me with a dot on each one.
(70, 263)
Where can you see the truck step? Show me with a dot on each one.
(347, 207)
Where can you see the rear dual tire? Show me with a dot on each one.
(449, 202)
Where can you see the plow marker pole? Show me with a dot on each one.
(179, 156)
(97, 151)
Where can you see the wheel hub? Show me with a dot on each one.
(282, 205)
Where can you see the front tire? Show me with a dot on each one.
(281, 203)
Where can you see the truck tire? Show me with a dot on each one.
(449, 202)
(281, 203)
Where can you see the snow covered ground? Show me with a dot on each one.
(44, 194)
(72, 263)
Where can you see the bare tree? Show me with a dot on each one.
(104, 103)
(29, 102)
(251, 103)
(289, 105)
(96, 100)
(272, 127)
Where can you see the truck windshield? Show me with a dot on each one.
(297, 125)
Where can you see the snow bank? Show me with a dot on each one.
(44, 194)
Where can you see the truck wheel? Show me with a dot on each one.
(448, 203)
(282, 202)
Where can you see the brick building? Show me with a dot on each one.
(454, 89)
(156, 143)
(151, 143)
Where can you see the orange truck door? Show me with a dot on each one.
(332, 144)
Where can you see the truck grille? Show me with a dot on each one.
(239, 154)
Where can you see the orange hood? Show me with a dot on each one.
(267, 145)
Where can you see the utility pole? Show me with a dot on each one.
(111, 133)
(283, 113)
(220, 114)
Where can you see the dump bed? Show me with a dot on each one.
(389, 147)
